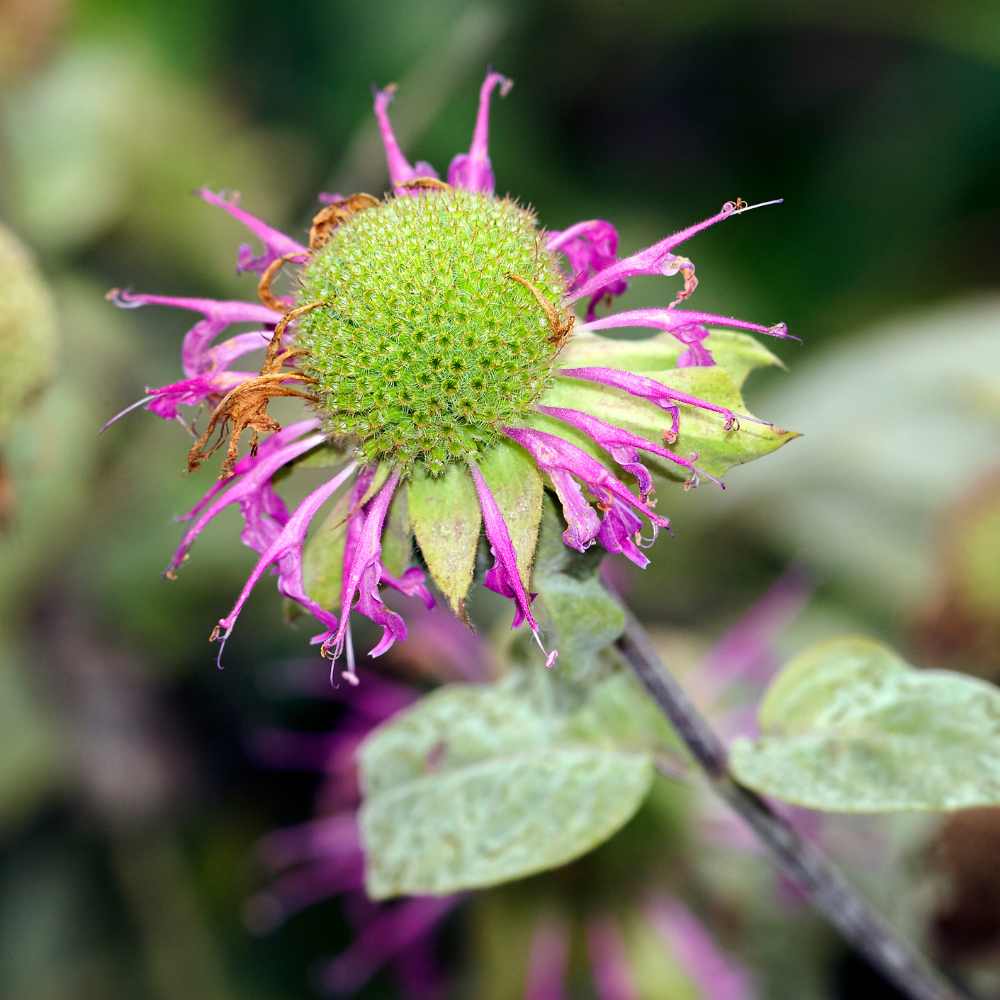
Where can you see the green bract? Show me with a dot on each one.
(427, 338)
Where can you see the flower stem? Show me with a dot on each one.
(862, 927)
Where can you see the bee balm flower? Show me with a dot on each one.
(427, 335)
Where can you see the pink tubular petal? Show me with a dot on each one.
(504, 578)
(546, 978)
(656, 259)
(717, 976)
(276, 244)
(310, 841)
(262, 516)
(400, 170)
(687, 326)
(413, 583)
(619, 530)
(191, 392)
(218, 315)
(286, 550)
(395, 928)
(472, 170)
(621, 445)
(590, 247)
(656, 392)
(613, 979)
(364, 574)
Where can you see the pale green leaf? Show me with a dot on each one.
(516, 485)
(444, 512)
(739, 353)
(848, 726)
(477, 785)
(396, 535)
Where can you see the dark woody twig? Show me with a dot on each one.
(862, 927)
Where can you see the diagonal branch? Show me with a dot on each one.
(862, 927)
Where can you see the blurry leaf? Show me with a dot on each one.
(516, 485)
(446, 518)
(847, 726)
(738, 353)
(27, 329)
(323, 558)
(701, 431)
(479, 785)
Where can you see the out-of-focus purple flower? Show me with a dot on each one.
(717, 977)
(613, 979)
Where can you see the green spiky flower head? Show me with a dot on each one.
(434, 330)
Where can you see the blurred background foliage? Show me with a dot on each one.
(130, 799)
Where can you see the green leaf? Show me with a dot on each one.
(516, 485)
(738, 353)
(847, 726)
(445, 515)
(701, 430)
(578, 616)
(477, 785)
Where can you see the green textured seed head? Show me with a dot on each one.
(426, 345)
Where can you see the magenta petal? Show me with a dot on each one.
(619, 531)
(716, 976)
(400, 170)
(546, 979)
(656, 392)
(472, 170)
(276, 244)
(364, 574)
(413, 583)
(396, 927)
(218, 315)
(310, 841)
(583, 524)
(621, 444)
(589, 247)
(504, 577)
(192, 392)
(656, 259)
(263, 518)
(286, 550)
(613, 979)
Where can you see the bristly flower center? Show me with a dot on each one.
(436, 328)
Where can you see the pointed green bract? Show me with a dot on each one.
(701, 430)
(848, 726)
(323, 558)
(738, 353)
(478, 785)
(397, 534)
(445, 515)
(516, 485)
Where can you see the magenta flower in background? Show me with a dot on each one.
(426, 334)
